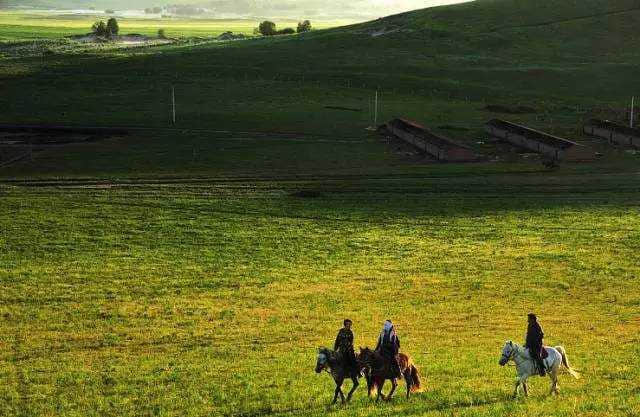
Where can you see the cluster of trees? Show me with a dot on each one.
(153, 10)
(268, 28)
(304, 26)
(107, 30)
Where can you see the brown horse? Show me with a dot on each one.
(380, 370)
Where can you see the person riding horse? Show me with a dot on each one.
(534, 342)
(344, 345)
(389, 346)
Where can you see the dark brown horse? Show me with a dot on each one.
(380, 370)
(332, 362)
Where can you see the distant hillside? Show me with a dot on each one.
(266, 8)
(526, 29)
(557, 56)
(488, 15)
(84, 4)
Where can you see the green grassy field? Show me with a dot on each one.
(176, 271)
(18, 26)
(210, 299)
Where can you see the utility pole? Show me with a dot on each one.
(375, 119)
(633, 99)
(173, 104)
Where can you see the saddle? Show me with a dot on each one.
(544, 353)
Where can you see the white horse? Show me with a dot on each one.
(525, 365)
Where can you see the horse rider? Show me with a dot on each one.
(344, 345)
(389, 346)
(534, 342)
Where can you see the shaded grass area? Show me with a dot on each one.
(200, 155)
(435, 69)
(211, 299)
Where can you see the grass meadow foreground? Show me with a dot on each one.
(179, 271)
(211, 299)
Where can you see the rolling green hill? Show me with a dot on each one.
(442, 66)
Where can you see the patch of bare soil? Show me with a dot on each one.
(12, 155)
(384, 31)
(130, 39)
(22, 139)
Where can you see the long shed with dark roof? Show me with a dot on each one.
(613, 132)
(540, 142)
(441, 148)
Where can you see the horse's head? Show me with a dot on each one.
(507, 353)
(322, 362)
(365, 356)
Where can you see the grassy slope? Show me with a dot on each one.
(209, 298)
(442, 68)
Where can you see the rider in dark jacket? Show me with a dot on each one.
(389, 346)
(344, 345)
(534, 342)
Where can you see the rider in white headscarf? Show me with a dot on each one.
(389, 345)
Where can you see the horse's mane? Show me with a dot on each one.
(376, 355)
(331, 354)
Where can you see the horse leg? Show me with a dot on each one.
(525, 389)
(353, 389)
(369, 383)
(380, 384)
(408, 379)
(515, 392)
(394, 385)
(338, 390)
(554, 382)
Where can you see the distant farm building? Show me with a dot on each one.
(540, 142)
(439, 147)
(613, 132)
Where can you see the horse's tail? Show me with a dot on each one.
(565, 362)
(415, 380)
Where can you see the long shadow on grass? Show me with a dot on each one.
(415, 406)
